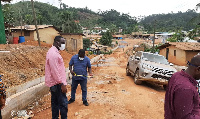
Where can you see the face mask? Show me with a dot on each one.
(62, 47)
(81, 58)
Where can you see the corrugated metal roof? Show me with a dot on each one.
(72, 34)
(31, 27)
(182, 45)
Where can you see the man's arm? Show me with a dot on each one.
(2, 95)
(89, 67)
(71, 63)
(183, 104)
(70, 69)
(90, 71)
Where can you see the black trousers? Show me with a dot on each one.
(0, 115)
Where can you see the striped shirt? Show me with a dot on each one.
(80, 67)
(2, 89)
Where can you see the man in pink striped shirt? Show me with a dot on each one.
(55, 78)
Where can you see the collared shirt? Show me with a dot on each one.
(181, 98)
(54, 68)
(80, 66)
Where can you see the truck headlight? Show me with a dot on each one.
(144, 74)
(147, 67)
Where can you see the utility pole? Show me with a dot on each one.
(21, 22)
(35, 19)
(154, 36)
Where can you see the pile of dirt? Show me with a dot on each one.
(35, 43)
(66, 57)
(24, 63)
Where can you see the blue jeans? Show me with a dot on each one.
(74, 85)
(58, 102)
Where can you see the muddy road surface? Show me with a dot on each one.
(111, 94)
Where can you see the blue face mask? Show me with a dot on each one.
(81, 58)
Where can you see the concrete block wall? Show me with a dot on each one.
(22, 87)
(21, 99)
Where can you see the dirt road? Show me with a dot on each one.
(112, 94)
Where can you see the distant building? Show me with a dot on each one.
(117, 36)
(179, 52)
(74, 41)
(47, 33)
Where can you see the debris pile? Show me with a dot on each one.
(24, 63)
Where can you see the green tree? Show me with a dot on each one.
(195, 21)
(8, 14)
(177, 37)
(170, 21)
(29, 19)
(106, 38)
(86, 43)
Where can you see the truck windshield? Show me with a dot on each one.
(155, 58)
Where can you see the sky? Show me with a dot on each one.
(132, 7)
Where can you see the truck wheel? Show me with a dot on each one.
(127, 72)
(136, 78)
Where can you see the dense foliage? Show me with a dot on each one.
(86, 43)
(70, 19)
(106, 38)
(64, 18)
(171, 21)
(177, 37)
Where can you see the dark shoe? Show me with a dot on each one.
(71, 101)
(85, 103)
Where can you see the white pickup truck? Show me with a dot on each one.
(145, 66)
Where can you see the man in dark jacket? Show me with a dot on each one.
(182, 98)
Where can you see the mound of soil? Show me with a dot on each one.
(25, 62)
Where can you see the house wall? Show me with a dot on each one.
(46, 35)
(73, 42)
(18, 33)
(191, 54)
(179, 59)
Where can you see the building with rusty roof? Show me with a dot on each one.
(47, 32)
(179, 52)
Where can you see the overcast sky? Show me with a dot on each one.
(133, 7)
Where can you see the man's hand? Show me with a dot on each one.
(2, 102)
(91, 75)
(72, 73)
(64, 89)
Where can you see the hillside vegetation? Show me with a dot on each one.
(70, 19)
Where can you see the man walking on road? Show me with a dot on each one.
(55, 78)
(182, 98)
(80, 64)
